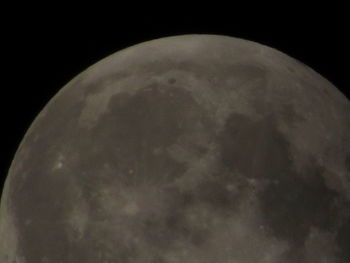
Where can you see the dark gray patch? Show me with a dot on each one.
(295, 203)
(134, 126)
(216, 193)
(295, 255)
(171, 81)
(327, 92)
(343, 242)
(289, 115)
(253, 148)
(291, 202)
(347, 162)
(177, 228)
(291, 69)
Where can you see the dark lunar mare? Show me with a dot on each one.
(292, 202)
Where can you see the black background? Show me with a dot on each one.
(42, 52)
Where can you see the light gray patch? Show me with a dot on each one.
(238, 237)
(338, 182)
(9, 247)
(320, 246)
(199, 167)
(100, 93)
(77, 216)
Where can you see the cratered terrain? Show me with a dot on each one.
(186, 149)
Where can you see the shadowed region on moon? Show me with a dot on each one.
(191, 149)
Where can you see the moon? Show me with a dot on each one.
(191, 149)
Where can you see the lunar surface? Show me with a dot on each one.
(186, 149)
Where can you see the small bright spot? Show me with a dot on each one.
(131, 208)
(59, 162)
